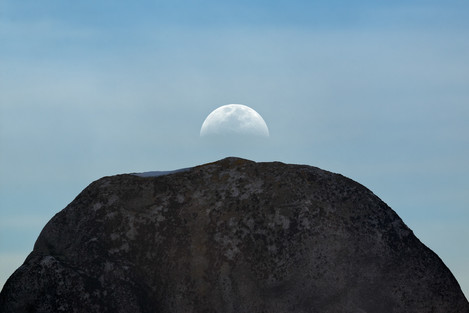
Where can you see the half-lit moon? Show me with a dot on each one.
(234, 119)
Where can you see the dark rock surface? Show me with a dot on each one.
(231, 236)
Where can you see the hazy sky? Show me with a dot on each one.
(377, 91)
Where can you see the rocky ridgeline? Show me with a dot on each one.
(230, 236)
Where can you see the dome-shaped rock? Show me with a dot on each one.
(230, 236)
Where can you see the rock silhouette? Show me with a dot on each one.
(230, 236)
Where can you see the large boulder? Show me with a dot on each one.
(230, 236)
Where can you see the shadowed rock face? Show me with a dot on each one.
(231, 236)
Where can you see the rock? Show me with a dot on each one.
(230, 236)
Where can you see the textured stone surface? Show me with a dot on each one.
(231, 236)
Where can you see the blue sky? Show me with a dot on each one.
(376, 91)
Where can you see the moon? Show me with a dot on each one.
(234, 119)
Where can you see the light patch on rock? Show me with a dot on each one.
(48, 261)
(252, 188)
(234, 191)
(97, 206)
(108, 266)
(279, 219)
(113, 199)
(123, 248)
(132, 232)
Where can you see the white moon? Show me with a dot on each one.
(234, 119)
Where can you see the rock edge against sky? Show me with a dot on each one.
(230, 236)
